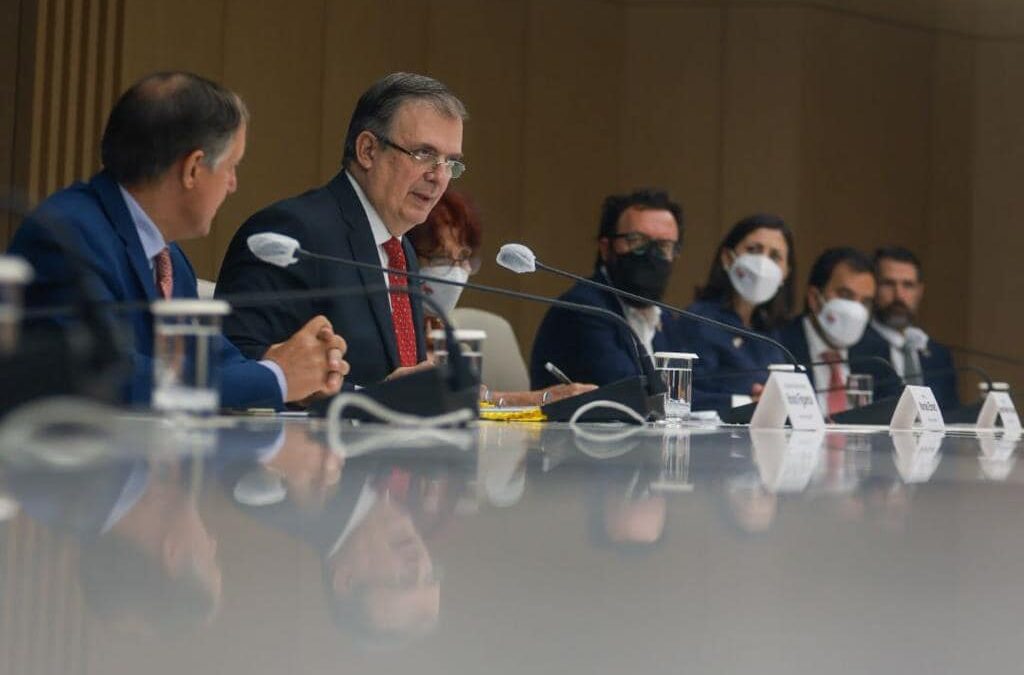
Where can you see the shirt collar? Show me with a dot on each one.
(380, 231)
(892, 336)
(816, 344)
(152, 241)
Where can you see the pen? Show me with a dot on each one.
(559, 375)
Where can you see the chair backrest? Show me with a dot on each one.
(504, 367)
(205, 289)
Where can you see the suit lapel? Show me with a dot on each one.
(113, 203)
(364, 250)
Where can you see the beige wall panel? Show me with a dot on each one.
(185, 34)
(946, 249)
(363, 41)
(570, 139)
(865, 149)
(9, 48)
(190, 37)
(671, 124)
(477, 47)
(761, 109)
(997, 283)
(273, 51)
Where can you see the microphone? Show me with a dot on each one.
(642, 394)
(417, 393)
(520, 259)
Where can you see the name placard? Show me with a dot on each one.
(786, 460)
(788, 395)
(917, 454)
(999, 406)
(917, 404)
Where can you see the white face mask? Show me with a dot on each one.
(757, 278)
(445, 295)
(843, 321)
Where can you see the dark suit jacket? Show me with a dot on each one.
(328, 220)
(726, 362)
(792, 336)
(100, 229)
(936, 365)
(587, 348)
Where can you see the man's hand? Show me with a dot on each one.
(312, 360)
(755, 391)
(409, 370)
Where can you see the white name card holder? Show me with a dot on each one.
(917, 454)
(917, 404)
(999, 406)
(786, 460)
(788, 395)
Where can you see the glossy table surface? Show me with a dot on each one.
(133, 544)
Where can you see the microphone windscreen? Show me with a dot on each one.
(273, 248)
(518, 258)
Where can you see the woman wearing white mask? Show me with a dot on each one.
(749, 286)
(447, 247)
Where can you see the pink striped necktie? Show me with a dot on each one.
(164, 273)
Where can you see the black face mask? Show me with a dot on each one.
(645, 275)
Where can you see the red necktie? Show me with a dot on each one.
(401, 309)
(164, 273)
(836, 383)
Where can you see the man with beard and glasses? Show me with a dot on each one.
(640, 236)
(894, 336)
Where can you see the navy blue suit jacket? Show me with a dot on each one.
(792, 336)
(725, 359)
(100, 229)
(936, 365)
(587, 348)
(328, 220)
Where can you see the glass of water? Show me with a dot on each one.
(676, 371)
(860, 390)
(471, 343)
(186, 355)
(15, 273)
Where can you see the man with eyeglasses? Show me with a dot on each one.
(403, 146)
(639, 238)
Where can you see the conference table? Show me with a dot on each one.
(133, 543)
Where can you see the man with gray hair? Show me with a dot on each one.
(403, 146)
(170, 149)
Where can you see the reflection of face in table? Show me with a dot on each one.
(147, 562)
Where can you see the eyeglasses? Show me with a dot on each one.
(471, 263)
(428, 158)
(639, 243)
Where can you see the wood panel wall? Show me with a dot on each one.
(859, 121)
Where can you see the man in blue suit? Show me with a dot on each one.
(403, 147)
(169, 149)
(893, 335)
(640, 236)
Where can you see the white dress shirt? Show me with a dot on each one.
(898, 340)
(381, 233)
